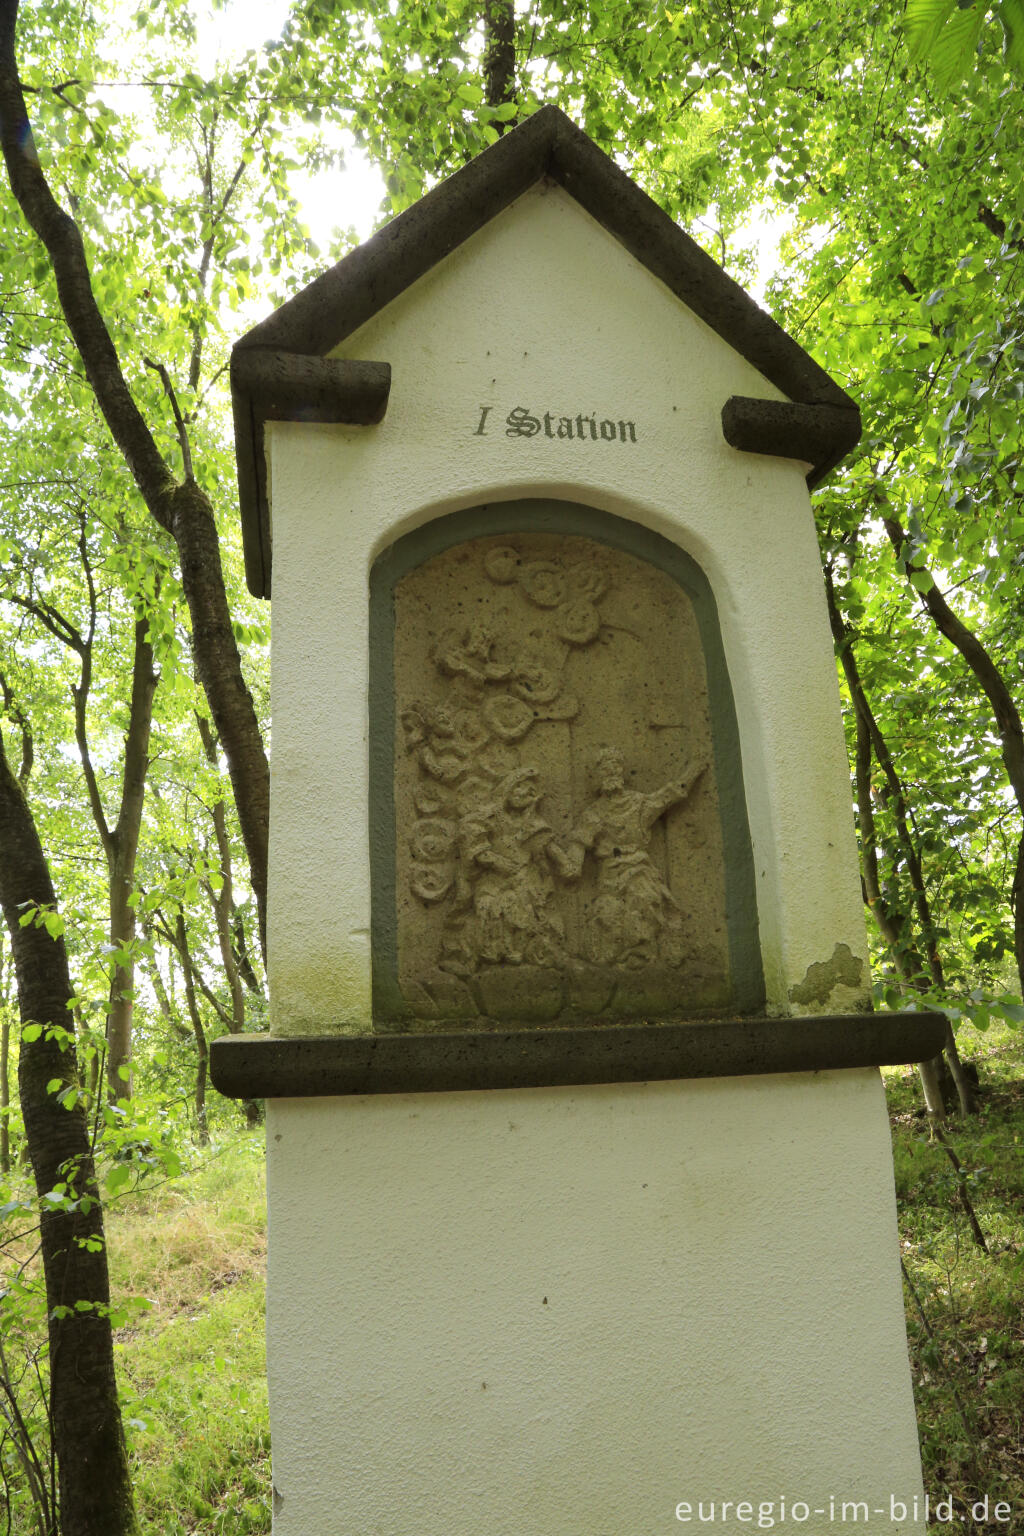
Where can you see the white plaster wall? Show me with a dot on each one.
(544, 309)
(563, 1311)
(672, 1291)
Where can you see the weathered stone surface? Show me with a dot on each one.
(262, 1066)
(558, 844)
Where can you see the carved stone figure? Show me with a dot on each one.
(472, 657)
(493, 876)
(634, 920)
(503, 851)
(527, 886)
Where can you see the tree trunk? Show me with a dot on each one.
(892, 927)
(163, 1000)
(5, 1089)
(122, 846)
(202, 1048)
(223, 901)
(896, 932)
(499, 54)
(227, 917)
(931, 1082)
(5, 1063)
(93, 1479)
(993, 685)
(240, 950)
(219, 670)
(962, 1083)
(121, 841)
(120, 1007)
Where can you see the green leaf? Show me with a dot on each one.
(1011, 18)
(12, 1207)
(952, 54)
(924, 20)
(117, 1178)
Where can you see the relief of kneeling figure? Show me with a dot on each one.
(504, 852)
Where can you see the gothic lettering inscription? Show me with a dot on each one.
(558, 847)
(581, 427)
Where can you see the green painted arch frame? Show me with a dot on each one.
(537, 515)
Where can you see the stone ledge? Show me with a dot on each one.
(305, 1066)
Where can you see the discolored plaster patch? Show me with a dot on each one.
(844, 969)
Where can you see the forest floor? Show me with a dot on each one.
(965, 1307)
(192, 1367)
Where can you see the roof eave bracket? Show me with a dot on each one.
(268, 384)
(819, 435)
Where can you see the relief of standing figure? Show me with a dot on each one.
(635, 920)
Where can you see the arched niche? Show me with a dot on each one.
(558, 823)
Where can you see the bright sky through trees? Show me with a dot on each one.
(348, 196)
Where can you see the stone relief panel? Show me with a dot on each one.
(558, 845)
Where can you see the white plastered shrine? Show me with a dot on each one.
(578, 1307)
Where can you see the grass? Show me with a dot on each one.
(191, 1367)
(191, 1360)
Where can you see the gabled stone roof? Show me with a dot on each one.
(280, 370)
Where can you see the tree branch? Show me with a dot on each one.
(215, 216)
(165, 379)
(499, 54)
(1007, 716)
(136, 744)
(14, 712)
(997, 226)
(63, 241)
(61, 628)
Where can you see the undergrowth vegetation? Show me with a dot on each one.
(191, 1366)
(965, 1323)
(187, 1260)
